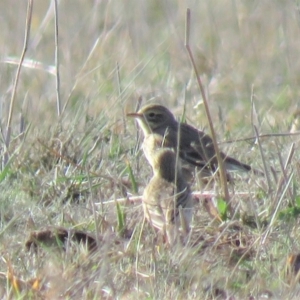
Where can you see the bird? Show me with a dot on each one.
(195, 147)
(167, 199)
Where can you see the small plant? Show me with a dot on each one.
(222, 206)
(121, 218)
(292, 212)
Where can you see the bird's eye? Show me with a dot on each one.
(151, 115)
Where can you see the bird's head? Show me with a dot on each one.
(153, 118)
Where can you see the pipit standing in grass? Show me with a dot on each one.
(167, 199)
(161, 129)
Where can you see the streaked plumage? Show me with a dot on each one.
(167, 199)
(161, 129)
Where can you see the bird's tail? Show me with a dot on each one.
(232, 164)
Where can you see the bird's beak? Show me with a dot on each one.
(142, 121)
(135, 115)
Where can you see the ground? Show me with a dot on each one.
(75, 173)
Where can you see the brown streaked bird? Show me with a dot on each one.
(167, 199)
(161, 129)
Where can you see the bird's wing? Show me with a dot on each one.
(196, 147)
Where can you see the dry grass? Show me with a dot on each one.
(62, 173)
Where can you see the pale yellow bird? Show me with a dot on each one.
(167, 199)
(161, 129)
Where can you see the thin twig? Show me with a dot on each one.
(137, 145)
(222, 171)
(252, 106)
(269, 229)
(22, 117)
(120, 97)
(254, 115)
(78, 77)
(290, 156)
(44, 24)
(267, 174)
(267, 135)
(93, 208)
(284, 178)
(14, 90)
(58, 99)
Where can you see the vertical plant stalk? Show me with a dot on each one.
(22, 117)
(213, 134)
(275, 213)
(57, 75)
(15, 86)
(120, 97)
(80, 75)
(138, 139)
(93, 207)
(284, 177)
(263, 160)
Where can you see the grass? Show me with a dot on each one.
(61, 172)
